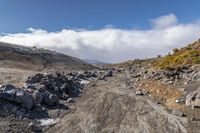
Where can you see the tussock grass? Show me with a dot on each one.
(186, 56)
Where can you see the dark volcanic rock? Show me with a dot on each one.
(35, 128)
(37, 97)
(8, 92)
(35, 79)
(20, 96)
(109, 73)
(50, 99)
(24, 98)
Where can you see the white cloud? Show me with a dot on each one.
(164, 21)
(112, 44)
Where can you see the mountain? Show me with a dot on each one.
(97, 62)
(16, 56)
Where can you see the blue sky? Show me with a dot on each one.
(53, 15)
(105, 30)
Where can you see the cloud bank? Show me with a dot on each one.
(112, 44)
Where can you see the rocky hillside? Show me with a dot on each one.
(15, 56)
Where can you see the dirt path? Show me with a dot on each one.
(112, 107)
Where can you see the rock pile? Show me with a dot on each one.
(186, 74)
(46, 89)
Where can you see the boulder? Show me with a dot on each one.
(37, 97)
(50, 99)
(195, 119)
(34, 127)
(20, 96)
(64, 87)
(8, 92)
(180, 100)
(178, 113)
(73, 88)
(94, 74)
(29, 86)
(109, 73)
(24, 98)
(70, 100)
(35, 79)
(139, 92)
(193, 99)
(102, 78)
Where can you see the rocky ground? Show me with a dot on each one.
(41, 101)
(121, 104)
(127, 99)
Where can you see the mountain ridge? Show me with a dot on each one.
(40, 58)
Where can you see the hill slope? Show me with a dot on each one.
(15, 56)
(186, 56)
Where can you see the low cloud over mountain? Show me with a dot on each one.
(112, 44)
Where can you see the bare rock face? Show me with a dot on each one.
(193, 99)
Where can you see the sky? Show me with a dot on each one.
(105, 30)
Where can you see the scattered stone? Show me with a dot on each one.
(158, 102)
(70, 100)
(109, 73)
(195, 119)
(181, 100)
(178, 113)
(35, 128)
(102, 78)
(139, 92)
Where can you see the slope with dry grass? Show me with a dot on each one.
(186, 56)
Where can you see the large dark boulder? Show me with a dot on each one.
(193, 99)
(37, 98)
(35, 79)
(10, 93)
(24, 98)
(50, 99)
